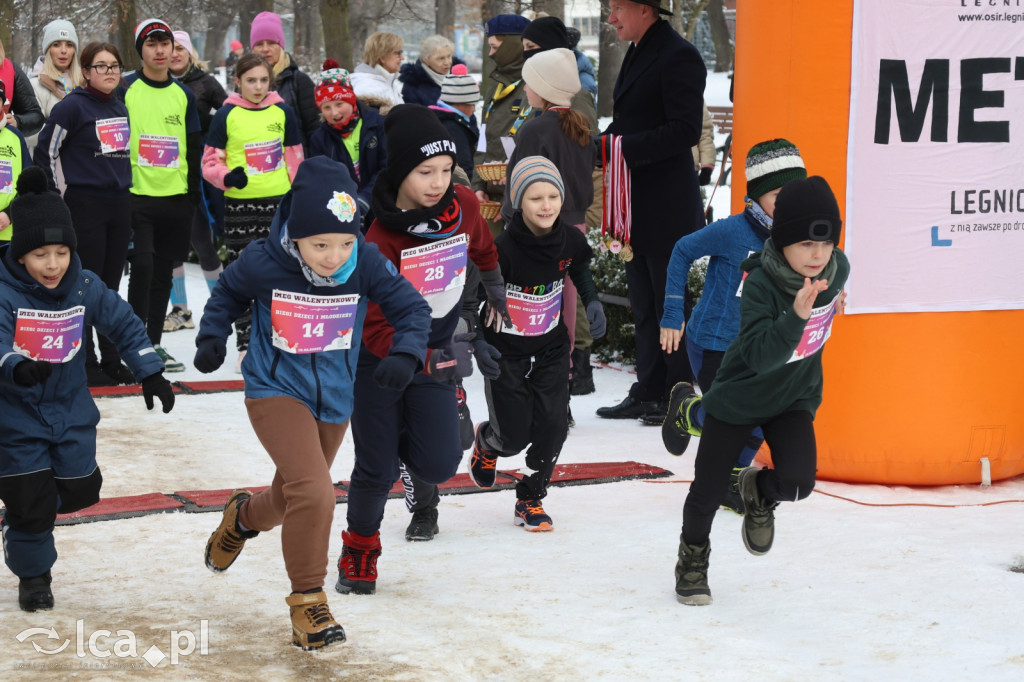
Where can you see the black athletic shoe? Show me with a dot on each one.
(95, 376)
(118, 373)
(466, 430)
(733, 500)
(630, 408)
(423, 526)
(34, 594)
(678, 425)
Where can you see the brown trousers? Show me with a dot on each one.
(301, 498)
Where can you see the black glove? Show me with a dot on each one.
(599, 160)
(210, 354)
(596, 318)
(454, 361)
(705, 176)
(396, 371)
(236, 178)
(497, 306)
(487, 359)
(156, 385)
(32, 372)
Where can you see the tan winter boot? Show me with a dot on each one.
(313, 626)
(225, 544)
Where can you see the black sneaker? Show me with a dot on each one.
(692, 574)
(758, 528)
(733, 501)
(423, 526)
(483, 465)
(630, 408)
(34, 594)
(678, 426)
(118, 373)
(95, 376)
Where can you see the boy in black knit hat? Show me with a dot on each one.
(771, 376)
(428, 227)
(48, 431)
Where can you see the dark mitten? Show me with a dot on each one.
(705, 176)
(396, 371)
(236, 178)
(497, 306)
(210, 354)
(596, 318)
(156, 385)
(32, 372)
(454, 361)
(487, 357)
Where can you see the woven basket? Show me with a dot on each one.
(491, 172)
(490, 209)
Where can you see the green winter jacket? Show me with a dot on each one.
(760, 378)
(502, 106)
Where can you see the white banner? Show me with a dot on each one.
(935, 184)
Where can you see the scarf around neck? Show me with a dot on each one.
(440, 221)
(786, 278)
(337, 279)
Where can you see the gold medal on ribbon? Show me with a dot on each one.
(626, 253)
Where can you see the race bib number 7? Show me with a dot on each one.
(158, 151)
(49, 335)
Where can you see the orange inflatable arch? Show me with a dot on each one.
(911, 398)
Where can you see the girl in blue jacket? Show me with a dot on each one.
(309, 285)
(48, 430)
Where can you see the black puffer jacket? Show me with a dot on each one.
(24, 104)
(209, 94)
(417, 85)
(296, 89)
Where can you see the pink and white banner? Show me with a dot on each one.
(935, 183)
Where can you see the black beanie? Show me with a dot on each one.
(547, 32)
(323, 200)
(414, 134)
(39, 216)
(806, 209)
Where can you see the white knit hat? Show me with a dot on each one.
(554, 75)
(459, 87)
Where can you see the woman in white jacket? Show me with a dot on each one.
(376, 79)
(57, 71)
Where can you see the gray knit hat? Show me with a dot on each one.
(529, 170)
(59, 29)
(772, 164)
(459, 87)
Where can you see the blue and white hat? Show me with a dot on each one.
(529, 170)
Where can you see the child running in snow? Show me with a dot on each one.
(528, 402)
(310, 285)
(770, 377)
(48, 430)
(715, 320)
(253, 150)
(428, 227)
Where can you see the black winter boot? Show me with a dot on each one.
(692, 574)
(34, 594)
(582, 382)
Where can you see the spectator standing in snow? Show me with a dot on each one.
(422, 79)
(376, 79)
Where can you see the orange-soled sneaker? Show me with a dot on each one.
(531, 516)
(483, 465)
(357, 567)
(313, 626)
(226, 543)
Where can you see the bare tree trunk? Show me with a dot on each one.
(6, 22)
(334, 17)
(306, 49)
(555, 8)
(611, 51)
(219, 22)
(126, 23)
(247, 11)
(720, 36)
(444, 23)
(687, 17)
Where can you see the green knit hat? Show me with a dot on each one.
(772, 164)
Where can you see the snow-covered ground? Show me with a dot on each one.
(864, 582)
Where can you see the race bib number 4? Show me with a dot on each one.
(6, 177)
(49, 335)
(158, 151)
(438, 272)
(263, 157)
(533, 315)
(312, 324)
(816, 331)
(114, 135)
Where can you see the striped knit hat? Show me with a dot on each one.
(459, 87)
(772, 164)
(529, 170)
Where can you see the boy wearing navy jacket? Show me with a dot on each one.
(48, 430)
(310, 285)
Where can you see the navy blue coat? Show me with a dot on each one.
(417, 85)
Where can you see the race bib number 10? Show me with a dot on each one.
(49, 335)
